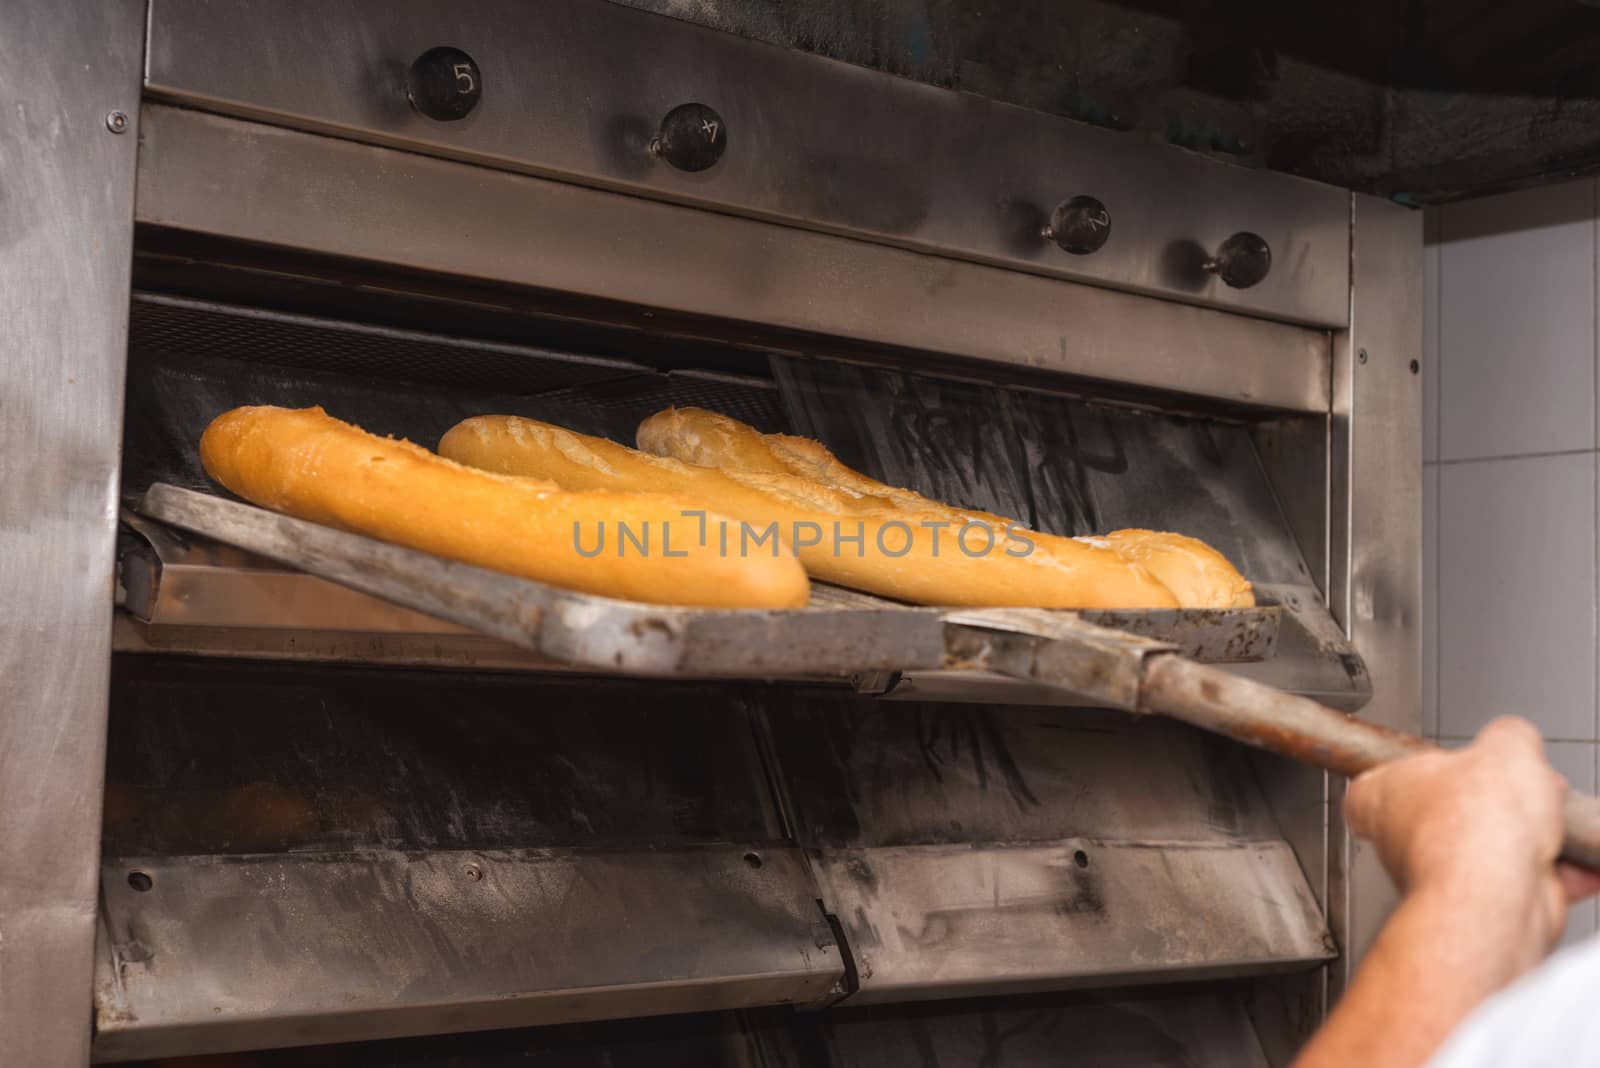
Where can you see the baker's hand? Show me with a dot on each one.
(1482, 822)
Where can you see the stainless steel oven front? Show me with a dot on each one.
(328, 819)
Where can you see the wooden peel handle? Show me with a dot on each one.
(1282, 723)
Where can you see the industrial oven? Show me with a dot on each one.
(245, 806)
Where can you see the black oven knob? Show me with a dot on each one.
(692, 137)
(444, 84)
(1080, 225)
(1242, 261)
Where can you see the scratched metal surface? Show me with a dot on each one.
(1061, 465)
(310, 948)
(974, 919)
(864, 774)
(971, 848)
(444, 854)
(66, 235)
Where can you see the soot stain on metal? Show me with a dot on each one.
(977, 731)
(861, 872)
(927, 740)
(644, 626)
(1082, 890)
(865, 935)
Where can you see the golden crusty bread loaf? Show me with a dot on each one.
(307, 464)
(711, 439)
(885, 548)
(1197, 575)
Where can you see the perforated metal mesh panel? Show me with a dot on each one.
(199, 328)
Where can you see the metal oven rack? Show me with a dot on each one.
(210, 577)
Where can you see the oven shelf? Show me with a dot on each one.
(204, 575)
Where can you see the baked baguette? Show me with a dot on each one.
(889, 549)
(711, 439)
(307, 464)
(1197, 575)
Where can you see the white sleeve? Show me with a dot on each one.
(1549, 1017)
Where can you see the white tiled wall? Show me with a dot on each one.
(1511, 531)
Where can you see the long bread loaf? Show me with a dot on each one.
(842, 536)
(1197, 575)
(307, 464)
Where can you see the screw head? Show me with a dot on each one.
(117, 122)
(1361, 357)
(473, 872)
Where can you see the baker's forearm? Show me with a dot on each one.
(1473, 835)
(1446, 949)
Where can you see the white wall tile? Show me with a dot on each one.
(1430, 601)
(1430, 334)
(1517, 323)
(1576, 920)
(1581, 922)
(1517, 594)
(1509, 575)
(1576, 760)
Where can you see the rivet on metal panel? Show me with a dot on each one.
(473, 872)
(1361, 357)
(117, 122)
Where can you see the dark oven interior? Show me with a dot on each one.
(474, 850)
